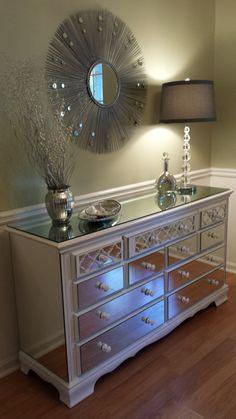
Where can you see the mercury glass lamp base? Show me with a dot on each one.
(186, 189)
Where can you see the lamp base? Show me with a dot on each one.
(186, 189)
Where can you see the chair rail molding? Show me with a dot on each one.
(121, 192)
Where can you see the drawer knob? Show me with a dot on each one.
(182, 228)
(146, 291)
(148, 266)
(103, 315)
(184, 299)
(184, 273)
(183, 249)
(147, 320)
(104, 347)
(211, 259)
(212, 235)
(102, 286)
(153, 239)
(213, 281)
(102, 258)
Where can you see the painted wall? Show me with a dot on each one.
(224, 132)
(177, 39)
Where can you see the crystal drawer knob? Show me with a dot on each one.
(184, 273)
(211, 259)
(182, 228)
(183, 249)
(212, 235)
(146, 291)
(104, 347)
(148, 266)
(102, 286)
(147, 320)
(183, 299)
(153, 239)
(102, 258)
(213, 281)
(103, 315)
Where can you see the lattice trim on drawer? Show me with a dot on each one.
(164, 234)
(99, 258)
(213, 215)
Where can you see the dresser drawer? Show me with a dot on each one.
(195, 292)
(106, 314)
(109, 343)
(213, 236)
(213, 214)
(146, 266)
(196, 268)
(101, 286)
(182, 250)
(97, 259)
(163, 234)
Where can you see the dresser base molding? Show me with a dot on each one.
(77, 390)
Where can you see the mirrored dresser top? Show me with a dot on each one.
(131, 209)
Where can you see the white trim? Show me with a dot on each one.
(121, 192)
(226, 173)
(196, 174)
(9, 365)
(80, 200)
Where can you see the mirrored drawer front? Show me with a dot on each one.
(182, 250)
(213, 215)
(193, 269)
(98, 258)
(163, 234)
(97, 319)
(146, 266)
(99, 287)
(193, 293)
(213, 236)
(111, 342)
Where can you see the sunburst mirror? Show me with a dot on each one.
(95, 76)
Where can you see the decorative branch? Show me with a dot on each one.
(48, 143)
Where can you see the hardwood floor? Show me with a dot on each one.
(189, 374)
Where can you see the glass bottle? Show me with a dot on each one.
(166, 182)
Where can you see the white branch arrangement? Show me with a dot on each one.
(48, 143)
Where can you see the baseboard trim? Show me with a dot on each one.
(9, 365)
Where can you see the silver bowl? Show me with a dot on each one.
(103, 209)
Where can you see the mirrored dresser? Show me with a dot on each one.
(92, 294)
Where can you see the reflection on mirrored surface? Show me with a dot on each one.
(167, 200)
(60, 233)
(103, 84)
(132, 209)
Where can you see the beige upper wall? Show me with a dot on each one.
(177, 39)
(224, 132)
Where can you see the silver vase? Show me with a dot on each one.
(59, 204)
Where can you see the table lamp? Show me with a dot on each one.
(183, 102)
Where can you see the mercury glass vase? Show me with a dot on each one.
(59, 204)
(166, 182)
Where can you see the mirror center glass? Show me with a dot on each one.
(103, 84)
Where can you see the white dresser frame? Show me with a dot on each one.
(79, 386)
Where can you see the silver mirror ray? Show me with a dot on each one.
(81, 42)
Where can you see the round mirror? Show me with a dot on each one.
(103, 84)
(96, 79)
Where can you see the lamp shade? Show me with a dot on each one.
(187, 101)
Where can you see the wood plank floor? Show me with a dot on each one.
(190, 374)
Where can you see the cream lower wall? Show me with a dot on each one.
(8, 318)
